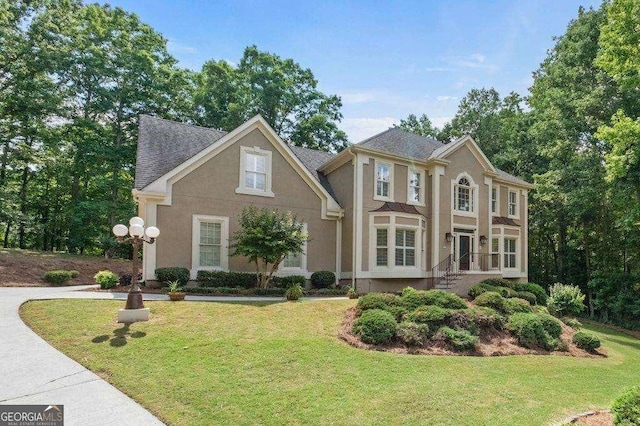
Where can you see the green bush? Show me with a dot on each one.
(540, 293)
(528, 329)
(572, 322)
(499, 282)
(461, 340)
(74, 274)
(486, 318)
(290, 281)
(323, 279)
(490, 299)
(413, 334)
(397, 311)
(376, 301)
(551, 325)
(412, 299)
(478, 289)
(586, 341)
(294, 292)
(375, 326)
(462, 319)
(526, 295)
(513, 305)
(174, 273)
(106, 279)
(565, 300)
(227, 279)
(58, 277)
(444, 299)
(266, 291)
(430, 314)
(626, 408)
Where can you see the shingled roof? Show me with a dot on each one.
(402, 143)
(312, 160)
(164, 144)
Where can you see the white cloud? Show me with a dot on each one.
(178, 48)
(358, 97)
(440, 121)
(359, 129)
(446, 98)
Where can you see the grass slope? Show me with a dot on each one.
(280, 363)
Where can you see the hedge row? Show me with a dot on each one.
(531, 292)
(273, 291)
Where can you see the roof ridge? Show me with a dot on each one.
(183, 124)
(375, 136)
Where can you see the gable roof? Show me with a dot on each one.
(164, 144)
(402, 143)
(312, 160)
(509, 177)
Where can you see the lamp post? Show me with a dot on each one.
(136, 238)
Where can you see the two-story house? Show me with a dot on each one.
(397, 209)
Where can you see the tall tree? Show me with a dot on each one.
(283, 92)
(477, 116)
(419, 126)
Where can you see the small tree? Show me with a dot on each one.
(265, 237)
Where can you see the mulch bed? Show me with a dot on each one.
(495, 343)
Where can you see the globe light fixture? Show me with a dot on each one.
(136, 238)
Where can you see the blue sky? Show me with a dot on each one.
(384, 59)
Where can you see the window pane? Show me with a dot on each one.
(209, 255)
(410, 238)
(399, 237)
(381, 237)
(292, 260)
(381, 257)
(383, 172)
(399, 257)
(410, 257)
(210, 233)
(261, 181)
(260, 163)
(495, 245)
(249, 180)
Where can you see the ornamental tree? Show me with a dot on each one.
(265, 237)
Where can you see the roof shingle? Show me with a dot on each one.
(402, 143)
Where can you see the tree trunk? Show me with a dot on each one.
(7, 231)
(23, 207)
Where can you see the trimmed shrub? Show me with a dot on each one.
(565, 300)
(266, 291)
(106, 279)
(462, 320)
(540, 293)
(413, 334)
(485, 317)
(551, 325)
(529, 331)
(461, 340)
(572, 322)
(227, 279)
(58, 277)
(490, 299)
(513, 305)
(323, 279)
(499, 282)
(413, 299)
(74, 274)
(375, 326)
(586, 341)
(174, 273)
(430, 314)
(376, 301)
(626, 408)
(290, 281)
(294, 292)
(397, 311)
(526, 295)
(444, 299)
(478, 289)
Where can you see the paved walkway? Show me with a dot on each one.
(33, 372)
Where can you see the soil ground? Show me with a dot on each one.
(26, 268)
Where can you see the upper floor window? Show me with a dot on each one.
(383, 180)
(494, 200)
(415, 190)
(255, 172)
(513, 203)
(464, 195)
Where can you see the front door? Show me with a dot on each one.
(464, 250)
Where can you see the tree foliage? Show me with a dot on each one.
(265, 238)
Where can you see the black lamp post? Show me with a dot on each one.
(136, 238)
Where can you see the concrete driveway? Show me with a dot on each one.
(33, 372)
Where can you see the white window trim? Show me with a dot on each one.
(375, 181)
(473, 196)
(391, 270)
(497, 188)
(242, 189)
(517, 215)
(302, 270)
(504, 253)
(195, 244)
(422, 185)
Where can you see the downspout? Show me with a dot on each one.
(355, 219)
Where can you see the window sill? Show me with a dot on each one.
(258, 193)
(381, 198)
(464, 213)
(416, 203)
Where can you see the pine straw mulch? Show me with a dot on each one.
(491, 343)
(595, 418)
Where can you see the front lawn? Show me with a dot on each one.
(281, 363)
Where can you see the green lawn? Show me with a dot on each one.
(233, 363)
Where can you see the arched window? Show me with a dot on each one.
(463, 195)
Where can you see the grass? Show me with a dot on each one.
(280, 363)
